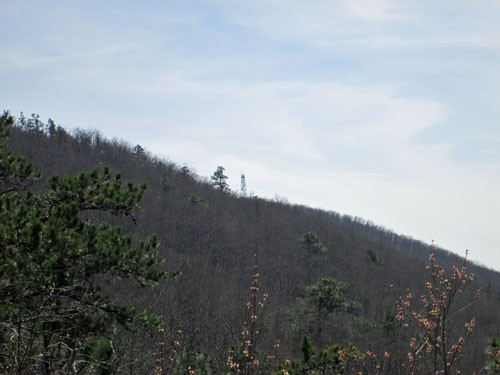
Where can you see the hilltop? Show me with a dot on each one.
(212, 236)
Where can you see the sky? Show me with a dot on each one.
(383, 109)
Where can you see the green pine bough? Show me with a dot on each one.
(52, 312)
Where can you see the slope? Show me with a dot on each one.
(212, 236)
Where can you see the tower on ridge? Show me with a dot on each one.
(243, 189)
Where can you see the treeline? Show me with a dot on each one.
(330, 278)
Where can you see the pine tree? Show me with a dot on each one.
(51, 259)
(219, 180)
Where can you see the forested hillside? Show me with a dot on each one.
(406, 244)
(288, 271)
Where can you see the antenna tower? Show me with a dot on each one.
(243, 190)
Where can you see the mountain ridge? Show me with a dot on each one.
(212, 236)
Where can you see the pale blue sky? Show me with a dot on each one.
(388, 110)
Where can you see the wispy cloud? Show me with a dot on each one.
(382, 109)
(22, 58)
(379, 24)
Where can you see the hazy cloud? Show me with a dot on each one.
(382, 109)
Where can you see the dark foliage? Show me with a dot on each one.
(54, 318)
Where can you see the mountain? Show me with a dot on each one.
(219, 239)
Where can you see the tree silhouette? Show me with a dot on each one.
(219, 180)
